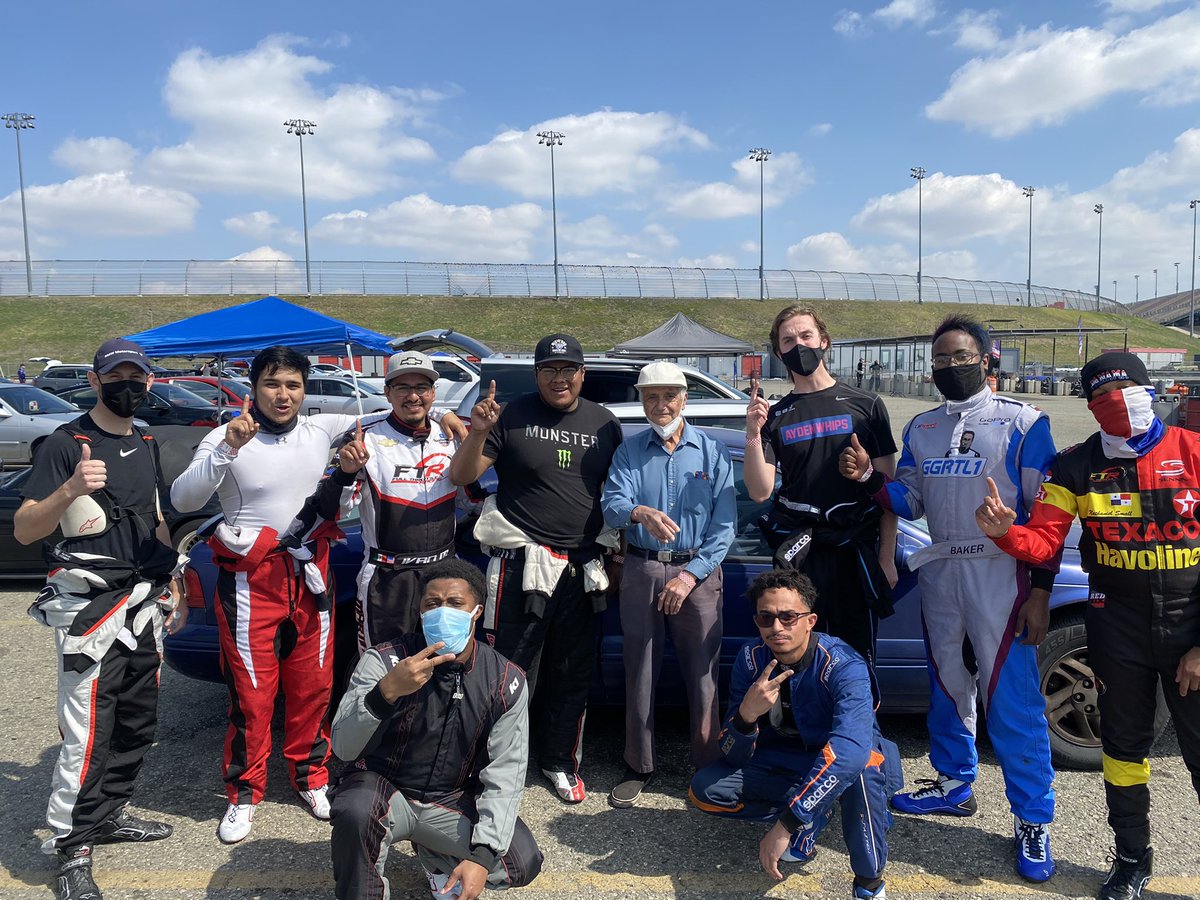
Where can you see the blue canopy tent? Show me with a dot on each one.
(250, 327)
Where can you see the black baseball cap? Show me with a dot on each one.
(1112, 366)
(558, 348)
(112, 353)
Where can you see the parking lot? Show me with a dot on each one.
(661, 849)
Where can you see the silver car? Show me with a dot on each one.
(27, 415)
(337, 395)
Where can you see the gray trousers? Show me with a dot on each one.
(368, 814)
(696, 634)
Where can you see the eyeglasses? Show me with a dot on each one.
(961, 358)
(552, 372)
(421, 390)
(787, 618)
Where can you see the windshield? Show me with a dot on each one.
(31, 401)
(179, 396)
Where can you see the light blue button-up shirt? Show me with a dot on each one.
(693, 485)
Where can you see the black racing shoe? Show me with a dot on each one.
(629, 791)
(1127, 876)
(125, 827)
(74, 879)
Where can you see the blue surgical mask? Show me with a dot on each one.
(450, 625)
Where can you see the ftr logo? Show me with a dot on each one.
(564, 458)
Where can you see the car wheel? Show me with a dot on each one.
(1071, 692)
(184, 536)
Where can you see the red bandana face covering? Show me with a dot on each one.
(1125, 413)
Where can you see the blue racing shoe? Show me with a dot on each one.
(865, 893)
(803, 845)
(934, 798)
(1034, 860)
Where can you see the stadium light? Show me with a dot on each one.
(918, 172)
(759, 155)
(1177, 278)
(552, 139)
(1192, 304)
(1136, 293)
(18, 121)
(1156, 284)
(1099, 210)
(301, 127)
(1114, 290)
(1028, 192)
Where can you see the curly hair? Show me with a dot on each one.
(783, 579)
(456, 568)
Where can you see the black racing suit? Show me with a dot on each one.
(1141, 549)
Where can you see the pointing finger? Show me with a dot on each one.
(754, 388)
(246, 405)
(993, 491)
(358, 435)
(492, 391)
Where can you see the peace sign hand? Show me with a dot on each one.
(486, 412)
(354, 454)
(763, 694)
(411, 673)
(993, 517)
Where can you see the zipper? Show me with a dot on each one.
(437, 759)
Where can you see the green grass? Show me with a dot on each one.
(71, 328)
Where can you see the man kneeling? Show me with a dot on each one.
(438, 729)
(801, 733)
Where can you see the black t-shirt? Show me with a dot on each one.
(807, 432)
(134, 477)
(551, 467)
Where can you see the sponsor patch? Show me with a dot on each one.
(816, 428)
(1170, 468)
(1105, 475)
(1096, 600)
(1159, 558)
(820, 792)
(1185, 503)
(954, 467)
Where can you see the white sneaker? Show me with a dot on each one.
(236, 823)
(317, 801)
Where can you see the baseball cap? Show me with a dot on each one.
(112, 353)
(1113, 366)
(410, 361)
(558, 348)
(661, 374)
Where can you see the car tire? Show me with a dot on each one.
(184, 537)
(1071, 693)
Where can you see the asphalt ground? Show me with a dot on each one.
(661, 849)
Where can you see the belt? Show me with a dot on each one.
(405, 560)
(663, 556)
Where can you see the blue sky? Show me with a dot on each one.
(159, 133)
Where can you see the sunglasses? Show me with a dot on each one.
(787, 618)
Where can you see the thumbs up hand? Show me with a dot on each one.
(854, 460)
(90, 474)
(993, 517)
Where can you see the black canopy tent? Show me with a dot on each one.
(681, 336)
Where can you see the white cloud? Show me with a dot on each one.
(1164, 175)
(1041, 77)
(602, 151)
(783, 175)
(976, 30)
(902, 12)
(88, 156)
(849, 24)
(601, 233)
(110, 204)
(1136, 6)
(954, 208)
(427, 229)
(828, 251)
(259, 224)
(712, 261)
(262, 254)
(820, 130)
(236, 106)
(831, 251)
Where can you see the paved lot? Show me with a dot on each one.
(662, 849)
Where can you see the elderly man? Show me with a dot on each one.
(551, 450)
(438, 729)
(671, 489)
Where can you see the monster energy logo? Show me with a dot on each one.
(564, 459)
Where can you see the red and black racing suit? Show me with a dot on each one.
(1141, 549)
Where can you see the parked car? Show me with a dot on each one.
(166, 404)
(338, 395)
(1067, 680)
(27, 415)
(210, 388)
(60, 377)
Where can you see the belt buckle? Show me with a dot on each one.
(664, 556)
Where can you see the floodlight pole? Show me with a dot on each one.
(759, 155)
(17, 121)
(1177, 278)
(1099, 210)
(551, 139)
(1192, 304)
(918, 172)
(1156, 284)
(1028, 192)
(301, 127)
(1136, 292)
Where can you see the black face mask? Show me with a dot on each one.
(123, 397)
(803, 360)
(958, 382)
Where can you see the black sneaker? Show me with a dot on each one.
(629, 791)
(74, 880)
(125, 827)
(1127, 876)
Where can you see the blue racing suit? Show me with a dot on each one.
(971, 589)
(820, 743)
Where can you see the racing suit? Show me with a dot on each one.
(971, 589)
(1140, 546)
(273, 631)
(443, 767)
(407, 523)
(819, 744)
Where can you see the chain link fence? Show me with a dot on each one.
(329, 277)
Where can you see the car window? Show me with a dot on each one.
(451, 372)
(84, 398)
(699, 390)
(179, 396)
(314, 387)
(335, 388)
(601, 386)
(201, 389)
(31, 401)
(748, 541)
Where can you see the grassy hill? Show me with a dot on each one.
(70, 328)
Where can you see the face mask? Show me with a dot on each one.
(1125, 413)
(453, 626)
(123, 397)
(665, 431)
(958, 382)
(803, 360)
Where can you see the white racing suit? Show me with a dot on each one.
(971, 589)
